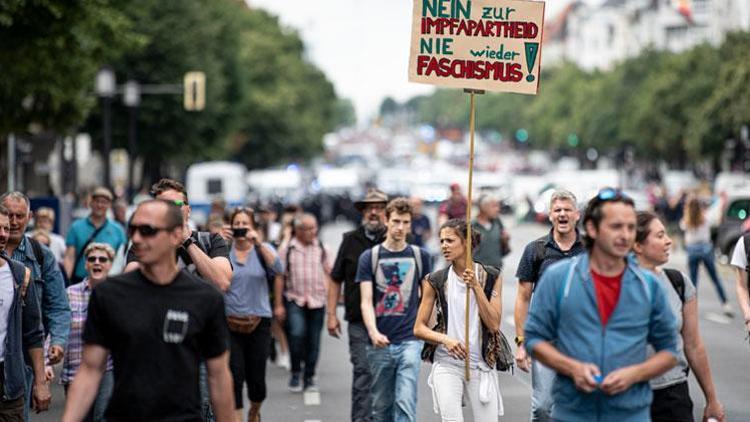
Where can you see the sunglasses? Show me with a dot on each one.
(179, 202)
(101, 259)
(145, 230)
(611, 194)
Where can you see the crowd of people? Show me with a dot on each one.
(151, 319)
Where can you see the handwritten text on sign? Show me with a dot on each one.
(480, 44)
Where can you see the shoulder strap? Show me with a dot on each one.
(375, 251)
(263, 264)
(678, 282)
(26, 281)
(88, 242)
(746, 243)
(418, 257)
(540, 250)
(438, 278)
(36, 247)
(204, 241)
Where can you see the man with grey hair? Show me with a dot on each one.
(48, 280)
(304, 292)
(495, 238)
(563, 241)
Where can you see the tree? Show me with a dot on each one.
(49, 53)
(288, 104)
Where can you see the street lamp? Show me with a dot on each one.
(132, 100)
(106, 87)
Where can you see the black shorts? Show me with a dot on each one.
(672, 404)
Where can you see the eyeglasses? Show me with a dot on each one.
(179, 202)
(145, 230)
(101, 259)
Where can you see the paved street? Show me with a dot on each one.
(728, 351)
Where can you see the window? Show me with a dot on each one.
(215, 186)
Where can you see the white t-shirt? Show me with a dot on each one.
(739, 257)
(455, 295)
(6, 299)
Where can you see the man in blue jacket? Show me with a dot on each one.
(20, 333)
(593, 316)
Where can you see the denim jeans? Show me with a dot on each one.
(106, 385)
(703, 252)
(395, 373)
(359, 340)
(304, 327)
(542, 379)
(207, 412)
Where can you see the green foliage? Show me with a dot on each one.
(675, 107)
(49, 53)
(288, 103)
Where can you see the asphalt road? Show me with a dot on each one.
(728, 350)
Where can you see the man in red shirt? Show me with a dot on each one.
(592, 317)
(453, 207)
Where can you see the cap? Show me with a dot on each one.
(373, 196)
(103, 192)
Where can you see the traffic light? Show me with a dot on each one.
(194, 92)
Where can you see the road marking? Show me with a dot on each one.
(717, 318)
(312, 398)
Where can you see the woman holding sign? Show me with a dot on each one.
(445, 291)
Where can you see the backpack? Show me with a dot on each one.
(36, 247)
(678, 282)
(746, 243)
(269, 278)
(415, 250)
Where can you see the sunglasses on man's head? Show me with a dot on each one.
(145, 230)
(609, 194)
(101, 259)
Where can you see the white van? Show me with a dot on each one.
(215, 179)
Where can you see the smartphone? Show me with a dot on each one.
(239, 232)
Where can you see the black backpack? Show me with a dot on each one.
(746, 243)
(678, 282)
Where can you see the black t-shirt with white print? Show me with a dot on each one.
(156, 335)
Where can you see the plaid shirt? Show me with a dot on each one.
(78, 296)
(306, 273)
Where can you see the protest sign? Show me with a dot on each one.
(493, 45)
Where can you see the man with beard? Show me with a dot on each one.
(369, 234)
(563, 241)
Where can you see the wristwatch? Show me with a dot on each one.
(519, 340)
(189, 241)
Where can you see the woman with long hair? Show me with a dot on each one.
(700, 249)
(248, 309)
(445, 292)
(671, 396)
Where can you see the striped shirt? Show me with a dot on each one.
(78, 297)
(305, 274)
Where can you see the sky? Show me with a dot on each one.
(361, 45)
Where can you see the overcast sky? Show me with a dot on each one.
(361, 45)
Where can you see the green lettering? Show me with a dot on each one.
(430, 5)
(425, 45)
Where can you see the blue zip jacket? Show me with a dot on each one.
(49, 289)
(24, 331)
(564, 312)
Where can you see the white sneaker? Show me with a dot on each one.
(283, 361)
(728, 311)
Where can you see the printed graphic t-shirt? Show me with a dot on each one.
(396, 290)
(156, 336)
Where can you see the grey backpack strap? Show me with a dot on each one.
(418, 257)
(204, 242)
(374, 261)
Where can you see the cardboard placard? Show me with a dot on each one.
(493, 45)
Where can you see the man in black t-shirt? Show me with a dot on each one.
(157, 322)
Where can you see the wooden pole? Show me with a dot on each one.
(469, 260)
